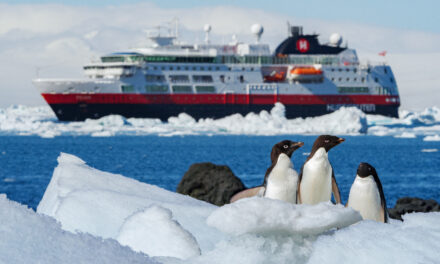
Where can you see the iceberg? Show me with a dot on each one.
(40, 121)
(28, 237)
(170, 228)
(23, 120)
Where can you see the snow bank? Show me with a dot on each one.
(179, 229)
(22, 120)
(108, 205)
(416, 240)
(28, 237)
(139, 229)
(267, 216)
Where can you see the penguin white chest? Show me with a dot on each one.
(364, 197)
(316, 182)
(282, 181)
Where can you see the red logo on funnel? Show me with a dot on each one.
(302, 45)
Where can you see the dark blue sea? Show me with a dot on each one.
(406, 167)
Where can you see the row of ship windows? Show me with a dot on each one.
(340, 79)
(355, 70)
(174, 88)
(352, 90)
(186, 79)
(211, 89)
(194, 68)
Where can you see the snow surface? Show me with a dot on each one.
(173, 227)
(267, 216)
(28, 237)
(84, 199)
(41, 121)
(157, 221)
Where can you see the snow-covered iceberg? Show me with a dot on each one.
(22, 120)
(84, 199)
(28, 237)
(172, 228)
(41, 121)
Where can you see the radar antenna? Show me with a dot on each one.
(257, 30)
(207, 29)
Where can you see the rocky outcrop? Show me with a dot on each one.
(412, 204)
(212, 183)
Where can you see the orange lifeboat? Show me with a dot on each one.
(305, 74)
(306, 71)
(275, 77)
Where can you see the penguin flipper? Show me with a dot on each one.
(256, 191)
(335, 189)
(298, 189)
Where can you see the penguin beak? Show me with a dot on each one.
(340, 140)
(297, 145)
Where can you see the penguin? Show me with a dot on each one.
(317, 178)
(280, 180)
(366, 194)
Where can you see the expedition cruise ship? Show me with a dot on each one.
(209, 80)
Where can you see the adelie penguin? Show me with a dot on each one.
(280, 181)
(366, 194)
(317, 178)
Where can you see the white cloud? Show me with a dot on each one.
(59, 39)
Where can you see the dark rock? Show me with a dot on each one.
(412, 204)
(212, 183)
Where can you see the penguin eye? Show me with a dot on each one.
(285, 146)
(326, 141)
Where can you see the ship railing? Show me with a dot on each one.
(74, 81)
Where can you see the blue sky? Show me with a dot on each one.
(421, 15)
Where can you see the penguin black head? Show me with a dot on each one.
(327, 142)
(365, 170)
(286, 146)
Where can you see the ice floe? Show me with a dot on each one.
(172, 228)
(25, 120)
(28, 237)
(432, 138)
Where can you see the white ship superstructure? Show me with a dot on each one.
(209, 80)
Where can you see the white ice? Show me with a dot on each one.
(23, 120)
(267, 216)
(28, 237)
(432, 138)
(41, 121)
(84, 199)
(172, 228)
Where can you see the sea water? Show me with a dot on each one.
(406, 166)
